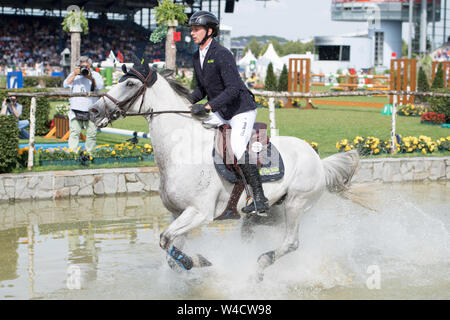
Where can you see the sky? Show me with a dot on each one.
(294, 20)
(290, 19)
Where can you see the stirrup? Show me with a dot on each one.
(254, 210)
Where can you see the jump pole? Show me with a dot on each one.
(123, 132)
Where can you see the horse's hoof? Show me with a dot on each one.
(163, 242)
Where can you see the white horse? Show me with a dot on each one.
(191, 188)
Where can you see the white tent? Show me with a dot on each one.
(246, 63)
(270, 56)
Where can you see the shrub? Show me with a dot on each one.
(9, 143)
(271, 79)
(52, 82)
(42, 108)
(441, 105)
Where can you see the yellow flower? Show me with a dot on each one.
(347, 148)
(113, 152)
(410, 149)
(376, 151)
(424, 151)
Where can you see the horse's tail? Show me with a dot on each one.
(339, 171)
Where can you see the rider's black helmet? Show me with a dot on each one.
(205, 19)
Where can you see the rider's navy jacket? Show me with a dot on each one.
(220, 81)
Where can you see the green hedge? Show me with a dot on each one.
(441, 105)
(9, 143)
(51, 82)
(42, 108)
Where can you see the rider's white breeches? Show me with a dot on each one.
(241, 129)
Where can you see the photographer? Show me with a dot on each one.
(83, 79)
(10, 106)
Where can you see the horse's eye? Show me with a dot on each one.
(130, 84)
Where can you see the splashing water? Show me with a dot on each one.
(346, 251)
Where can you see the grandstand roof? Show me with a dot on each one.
(118, 6)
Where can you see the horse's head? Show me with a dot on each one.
(127, 95)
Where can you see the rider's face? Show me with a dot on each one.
(198, 33)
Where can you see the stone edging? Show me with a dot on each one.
(99, 182)
(403, 169)
(77, 183)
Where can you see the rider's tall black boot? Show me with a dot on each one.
(260, 204)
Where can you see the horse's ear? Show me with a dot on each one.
(124, 68)
(146, 63)
(135, 60)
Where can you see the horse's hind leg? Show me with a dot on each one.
(293, 210)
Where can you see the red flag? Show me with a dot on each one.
(177, 36)
(120, 56)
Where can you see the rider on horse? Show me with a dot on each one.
(229, 99)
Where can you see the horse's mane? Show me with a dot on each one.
(179, 88)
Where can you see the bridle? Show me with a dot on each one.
(122, 107)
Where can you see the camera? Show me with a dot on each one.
(8, 100)
(84, 71)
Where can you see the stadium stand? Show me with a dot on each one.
(35, 42)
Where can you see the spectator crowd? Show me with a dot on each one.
(35, 43)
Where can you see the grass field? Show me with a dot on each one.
(325, 125)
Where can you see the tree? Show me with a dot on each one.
(254, 47)
(271, 79)
(438, 81)
(283, 80)
(422, 84)
(170, 14)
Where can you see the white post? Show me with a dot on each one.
(273, 124)
(32, 131)
(394, 116)
(411, 26)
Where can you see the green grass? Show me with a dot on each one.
(329, 124)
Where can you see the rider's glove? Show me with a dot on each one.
(199, 109)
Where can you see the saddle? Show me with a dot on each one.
(261, 152)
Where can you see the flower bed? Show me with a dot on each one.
(432, 118)
(119, 153)
(263, 102)
(411, 110)
(374, 146)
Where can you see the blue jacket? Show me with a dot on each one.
(221, 82)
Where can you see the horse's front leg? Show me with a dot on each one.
(190, 219)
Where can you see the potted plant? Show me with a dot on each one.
(75, 23)
(61, 120)
(168, 16)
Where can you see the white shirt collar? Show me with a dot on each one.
(203, 53)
